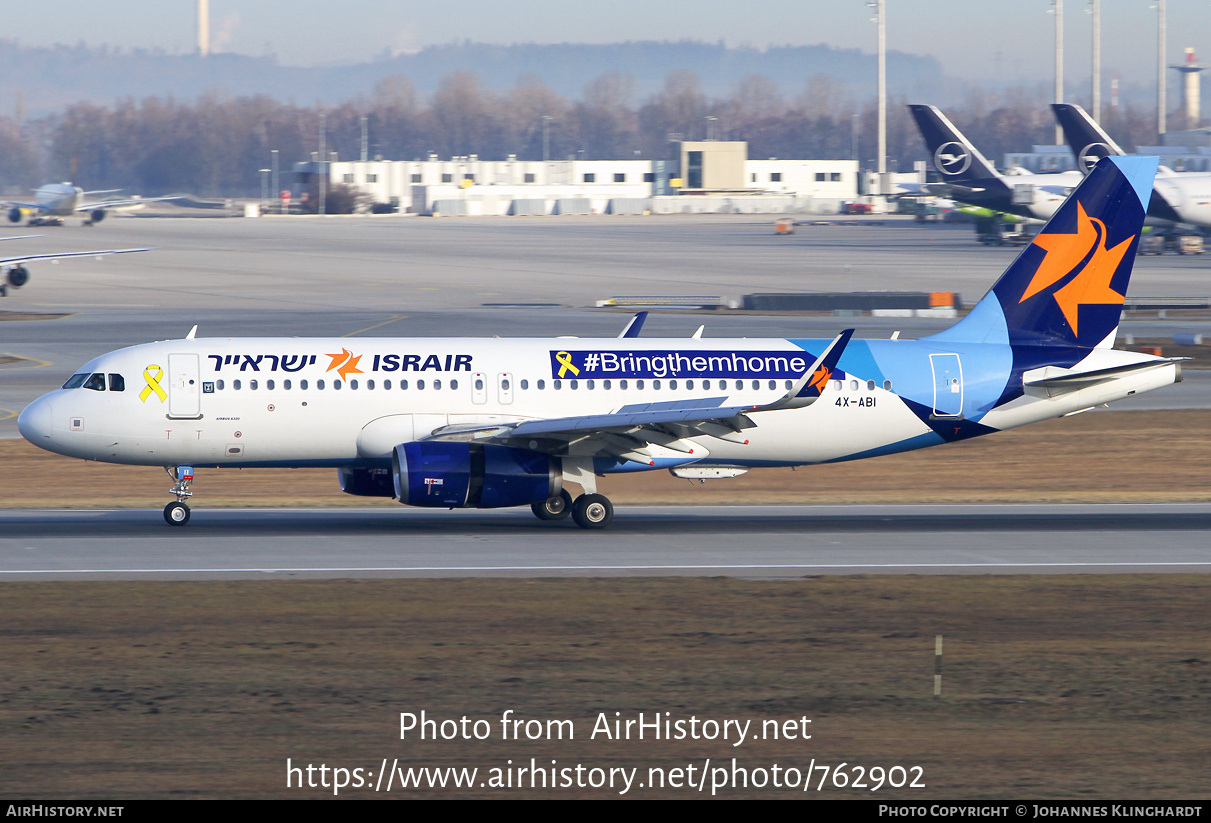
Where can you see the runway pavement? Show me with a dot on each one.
(740, 541)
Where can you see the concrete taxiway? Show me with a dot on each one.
(739, 541)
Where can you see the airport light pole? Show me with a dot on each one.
(1095, 9)
(264, 189)
(881, 159)
(323, 166)
(1160, 71)
(546, 139)
(1058, 11)
(273, 164)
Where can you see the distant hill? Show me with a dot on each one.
(50, 78)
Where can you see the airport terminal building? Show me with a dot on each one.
(708, 176)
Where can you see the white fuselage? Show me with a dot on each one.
(58, 199)
(342, 402)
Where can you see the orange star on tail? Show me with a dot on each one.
(1091, 285)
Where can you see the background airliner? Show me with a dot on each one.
(15, 274)
(56, 200)
(467, 422)
(968, 178)
(1177, 197)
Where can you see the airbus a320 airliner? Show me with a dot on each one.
(484, 423)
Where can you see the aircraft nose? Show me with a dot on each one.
(36, 421)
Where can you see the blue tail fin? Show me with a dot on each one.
(1067, 287)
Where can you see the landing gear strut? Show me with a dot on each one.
(177, 513)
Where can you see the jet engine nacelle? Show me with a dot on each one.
(96, 215)
(14, 215)
(472, 475)
(366, 482)
(17, 276)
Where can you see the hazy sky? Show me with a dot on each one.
(1011, 38)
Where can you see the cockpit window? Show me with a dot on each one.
(117, 382)
(75, 381)
(96, 382)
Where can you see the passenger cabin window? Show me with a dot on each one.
(96, 382)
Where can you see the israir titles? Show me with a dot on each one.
(382, 362)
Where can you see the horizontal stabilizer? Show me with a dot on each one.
(1055, 381)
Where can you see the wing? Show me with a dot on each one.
(111, 204)
(6, 262)
(32, 206)
(629, 432)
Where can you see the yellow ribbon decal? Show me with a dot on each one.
(153, 384)
(565, 362)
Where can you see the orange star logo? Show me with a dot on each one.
(820, 378)
(344, 363)
(1091, 283)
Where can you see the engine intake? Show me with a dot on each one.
(472, 475)
(14, 215)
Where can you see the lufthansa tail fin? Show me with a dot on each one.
(953, 156)
(1067, 287)
(1089, 143)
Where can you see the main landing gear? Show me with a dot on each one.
(589, 511)
(177, 513)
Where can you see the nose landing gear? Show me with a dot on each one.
(177, 513)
